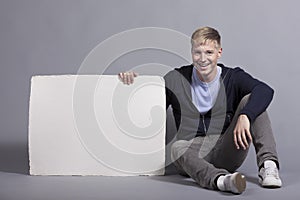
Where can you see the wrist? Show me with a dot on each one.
(244, 116)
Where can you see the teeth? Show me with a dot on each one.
(198, 65)
(202, 65)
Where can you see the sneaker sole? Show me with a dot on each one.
(239, 182)
(264, 185)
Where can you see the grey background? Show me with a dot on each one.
(54, 36)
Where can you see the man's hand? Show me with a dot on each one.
(127, 77)
(241, 133)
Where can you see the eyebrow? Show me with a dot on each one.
(208, 50)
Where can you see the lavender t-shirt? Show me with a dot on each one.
(204, 94)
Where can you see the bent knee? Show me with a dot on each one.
(178, 148)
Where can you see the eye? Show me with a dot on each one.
(196, 53)
(209, 52)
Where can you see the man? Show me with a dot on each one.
(218, 112)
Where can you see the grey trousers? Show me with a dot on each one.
(206, 158)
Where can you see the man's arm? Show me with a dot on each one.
(261, 97)
(261, 94)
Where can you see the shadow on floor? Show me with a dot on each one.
(252, 179)
(176, 179)
(14, 158)
(172, 176)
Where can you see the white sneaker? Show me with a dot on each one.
(235, 183)
(269, 176)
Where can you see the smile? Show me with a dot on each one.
(202, 66)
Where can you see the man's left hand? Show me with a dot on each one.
(241, 134)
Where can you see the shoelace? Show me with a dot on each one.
(270, 171)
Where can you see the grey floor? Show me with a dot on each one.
(15, 184)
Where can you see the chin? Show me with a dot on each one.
(204, 71)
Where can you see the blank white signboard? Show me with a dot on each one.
(96, 125)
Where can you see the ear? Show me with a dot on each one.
(220, 50)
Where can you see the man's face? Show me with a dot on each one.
(205, 58)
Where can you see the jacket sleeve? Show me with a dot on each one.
(261, 94)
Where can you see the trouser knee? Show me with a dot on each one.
(178, 148)
(244, 100)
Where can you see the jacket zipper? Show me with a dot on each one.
(205, 131)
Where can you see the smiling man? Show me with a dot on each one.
(218, 111)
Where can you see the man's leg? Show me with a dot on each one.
(187, 157)
(226, 155)
(265, 146)
(263, 140)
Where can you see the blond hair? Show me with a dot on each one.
(204, 34)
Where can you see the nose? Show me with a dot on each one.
(202, 58)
